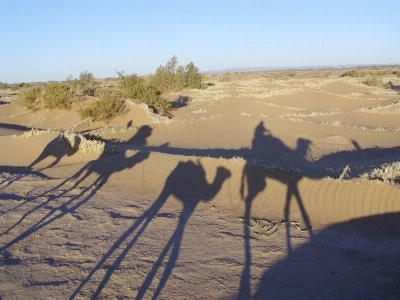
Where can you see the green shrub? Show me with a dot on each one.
(226, 77)
(173, 77)
(373, 81)
(4, 86)
(29, 96)
(58, 95)
(129, 85)
(138, 89)
(108, 107)
(193, 77)
(154, 100)
(86, 85)
(351, 73)
(17, 86)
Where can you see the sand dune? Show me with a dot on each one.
(237, 196)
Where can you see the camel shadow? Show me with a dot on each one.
(255, 180)
(92, 177)
(187, 183)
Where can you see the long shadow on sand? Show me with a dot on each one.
(100, 169)
(187, 182)
(10, 129)
(255, 178)
(268, 150)
(357, 259)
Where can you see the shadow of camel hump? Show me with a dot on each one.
(255, 180)
(187, 183)
(91, 177)
(57, 149)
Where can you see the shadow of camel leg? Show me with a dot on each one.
(293, 191)
(303, 211)
(287, 213)
(244, 289)
(174, 243)
(146, 218)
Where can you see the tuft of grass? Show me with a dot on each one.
(373, 81)
(226, 77)
(108, 107)
(387, 173)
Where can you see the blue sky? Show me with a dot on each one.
(48, 40)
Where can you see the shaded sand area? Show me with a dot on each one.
(254, 189)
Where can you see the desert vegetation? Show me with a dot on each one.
(226, 77)
(373, 81)
(172, 77)
(109, 105)
(109, 101)
(137, 89)
(281, 138)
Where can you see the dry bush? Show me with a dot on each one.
(226, 77)
(29, 97)
(58, 95)
(355, 73)
(79, 142)
(31, 133)
(4, 85)
(86, 85)
(387, 173)
(108, 107)
(373, 81)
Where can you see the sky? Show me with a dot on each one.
(49, 40)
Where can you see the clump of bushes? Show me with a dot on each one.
(17, 86)
(86, 85)
(13, 86)
(109, 106)
(28, 97)
(352, 73)
(172, 77)
(373, 81)
(387, 173)
(136, 88)
(3, 85)
(58, 95)
(226, 77)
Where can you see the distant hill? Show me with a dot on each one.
(260, 69)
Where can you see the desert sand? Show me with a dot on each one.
(252, 190)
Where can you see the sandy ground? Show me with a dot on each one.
(178, 214)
